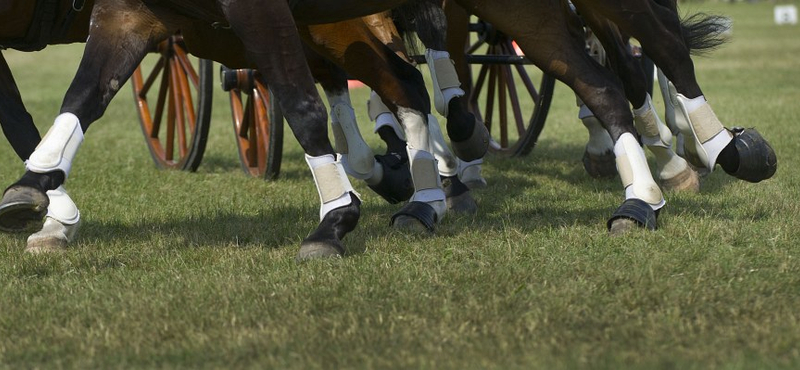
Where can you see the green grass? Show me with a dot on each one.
(196, 270)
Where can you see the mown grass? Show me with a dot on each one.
(196, 270)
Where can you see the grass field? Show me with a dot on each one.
(196, 270)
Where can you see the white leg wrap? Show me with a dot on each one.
(704, 135)
(333, 186)
(470, 173)
(634, 172)
(382, 116)
(447, 163)
(357, 157)
(57, 149)
(599, 140)
(658, 138)
(444, 77)
(427, 184)
(61, 207)
(669, 108)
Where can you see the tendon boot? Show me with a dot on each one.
(25, 203)
(674, 172)
(643, 198)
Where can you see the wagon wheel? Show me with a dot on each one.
(507, 79)
(257, 123)
(184, 93)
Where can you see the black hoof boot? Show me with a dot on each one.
(757, 160)
(632, 213)
(471, 141)
(23, 209)
(326, 240)
(416, 216)
(600, 166)
(458, 197)
(396, 185)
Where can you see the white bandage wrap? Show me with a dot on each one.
(357, 157)
(653, 131)
(634, 172)
(447, 163)
(444, 78)
(658, 138)
(382, 116)
(57, 149)
(669, 108)
(703, 132)
(599, 140)
(427, 184)
(333, 186)
(470, 173)
(61, 207)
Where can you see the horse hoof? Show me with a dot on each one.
(22, 209)
(312, 250)
(600, 166)
(757, 159)
(635, 210)
(416, 217)
(687, 180)
(53, 237)
(48, 244)
(458, 197)
(396, 185)
(474, 147)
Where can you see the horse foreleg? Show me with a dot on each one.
(272, 42)
(119, 38)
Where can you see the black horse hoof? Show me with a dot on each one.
(475, 146)
(632, 212)
(458, 196)
(23, 209)
(396, 185)
(311, 250)
(757, 159)
(415, 216)
(600, 166)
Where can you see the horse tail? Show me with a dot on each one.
(703, 32)
(426, 19)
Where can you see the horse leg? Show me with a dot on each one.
(402, 89)
(62, 218)
(27, 202)
(272, 42)
(388, 175)
(560, 52)
(469, 137)
(673, 171)
(458, 197)
(742, 153)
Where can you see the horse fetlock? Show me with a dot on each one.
(53, 237)
(427, 184)
(61, 207)
(445, 81)
(59, 146)
(333, 186)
